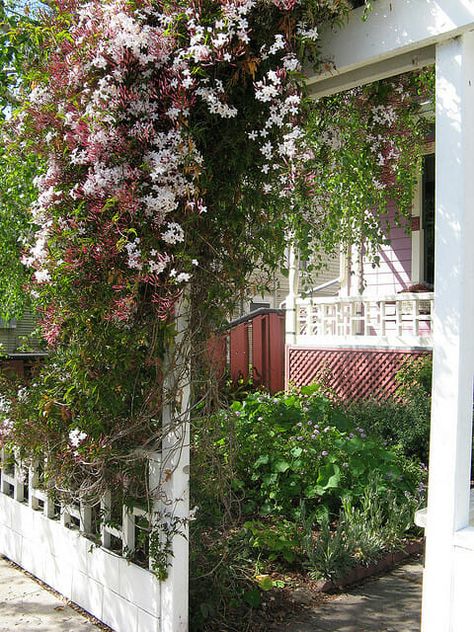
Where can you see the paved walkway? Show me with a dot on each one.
(391, 603)
(387, 604)
(25, 605)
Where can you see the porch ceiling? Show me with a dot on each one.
(398, 36)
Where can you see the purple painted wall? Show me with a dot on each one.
(394, 272)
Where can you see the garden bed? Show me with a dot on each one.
(297, 500)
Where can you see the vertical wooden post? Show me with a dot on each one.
(173, 500)
(259, 350)
(453, 342)
(85, 518)
(382, 318)
(106, 508)
(128, 530)
(18, 487)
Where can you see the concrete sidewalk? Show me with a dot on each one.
(391, 603)
(25, 605)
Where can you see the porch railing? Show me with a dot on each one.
(399, 315)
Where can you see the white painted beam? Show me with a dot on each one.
(453, 342)
(393, 29)
(339, 81)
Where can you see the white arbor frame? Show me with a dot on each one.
(402, 35)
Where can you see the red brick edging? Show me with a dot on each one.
(387, 563)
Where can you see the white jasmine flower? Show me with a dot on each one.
(76, 437)
(173, 234)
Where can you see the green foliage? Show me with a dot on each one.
(160, 540)
(299, 447)
(367, 145)
(223, 589)
(278, 541)
(17, 193)
(415, 377)
(268, 498)
(381, 522)
(403, 420)
(329, 555)
(97, 387)
(20, 49)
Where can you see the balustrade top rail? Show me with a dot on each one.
(404, 296)
(407, 314)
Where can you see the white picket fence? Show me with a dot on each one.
(93, 566)
(87, 560)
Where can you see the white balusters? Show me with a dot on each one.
(386, 317)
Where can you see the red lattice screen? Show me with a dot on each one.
(350, 373)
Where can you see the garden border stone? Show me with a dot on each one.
(386, 563)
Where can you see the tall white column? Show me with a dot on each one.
(290, 301)
(173, 470)
(453, 338)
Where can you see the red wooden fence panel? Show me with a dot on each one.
(259, 352)
(266, 353)
(239, 352)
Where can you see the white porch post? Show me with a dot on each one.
(290, 301)
(453, 339)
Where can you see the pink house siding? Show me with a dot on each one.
(394, 271)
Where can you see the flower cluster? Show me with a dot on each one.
(115, 115)
(171, 140)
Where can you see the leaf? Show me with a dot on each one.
(269, 479)
(262, 460)
(329, 476)
(357, 467)
(252, 597)
(265, 582)
(314, 490)
(289, 556)
(281, 466)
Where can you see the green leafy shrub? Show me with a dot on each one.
(288, 482)
(294, 447)
(222, 585)
(403, 420)
(277, 541)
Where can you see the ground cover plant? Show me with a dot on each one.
(288, 484)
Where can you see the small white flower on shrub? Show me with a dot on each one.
(76, 437)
